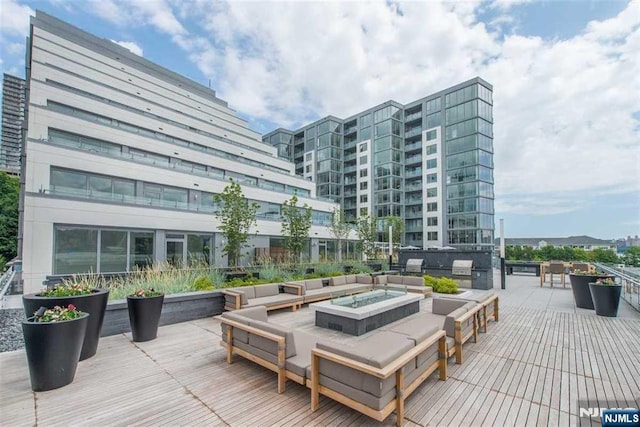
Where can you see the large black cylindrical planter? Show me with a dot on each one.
(606, 299)
(94, 303)
(144, 316)
(53, 350)
(580, 288)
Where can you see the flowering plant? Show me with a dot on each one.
(66, 290)
(606, 281)
(146, 293)
(57, 314)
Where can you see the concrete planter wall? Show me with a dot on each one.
(175, 309)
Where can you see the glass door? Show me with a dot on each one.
(176, 253)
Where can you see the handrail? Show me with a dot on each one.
(5, 282)
(630, 283)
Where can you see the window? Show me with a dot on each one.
(364, 185)
(113, 251)
(432, 149)
(365, 121)
(363, 173)
(432, 134)
(432, 235)
(363, 160)
(432, 192)
(364, 198)
(432, 221)
(308, 157)
(432, 206)
(434, 120)
(362, 147)
(433, 106)
(432, 177)
(432, 163)
(75, 250)
(307, 169)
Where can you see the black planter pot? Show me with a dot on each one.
(606, 299)
(53, 350)
(94, 303)
(144, 316)
(580, 288)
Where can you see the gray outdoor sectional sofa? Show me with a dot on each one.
(262, 295)
(414, 284)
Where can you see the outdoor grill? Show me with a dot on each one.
(462, 267)
(414, 265)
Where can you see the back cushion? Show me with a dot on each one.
(238, 334)
(267, 290)
(248, 291)
(381, 280)
(444, 306)
(337, 281)
(364, 279)
(449, 322)
(255, 313)
(397, 280)
(313, 284)
(271, 346)
(413, 281)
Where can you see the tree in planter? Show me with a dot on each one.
(397, 225)
(368, 234)
(339, 229)
(236, 216)
(296, 223)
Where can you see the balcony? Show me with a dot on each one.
(413, 132)
(413, 146)
(413, 116)
(409, 160)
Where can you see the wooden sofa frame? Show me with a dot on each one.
(394, 368)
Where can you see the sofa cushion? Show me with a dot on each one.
(349, 289)
(267, 290)
(238, 334)
(395, 279)
(338, 280)
(246, 292)
(313, 284)
(271, 346)
(315, 293)
(449, 321)
(364, 279)
(444, 306)
(426, 358)
(273, 300)
(381, 280)
(412, 280)
(378, 350)
(255, 313)
(417, 329)
(299, 363)
(264, 355)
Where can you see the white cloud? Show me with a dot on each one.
(15, 18)
(132, 46)
(505, 5)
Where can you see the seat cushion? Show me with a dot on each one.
(417, 329)
(444, 306)
(268, 345)
(313, 284)
(267, 290)
(299, 363)
(314, 294)
(378, 350)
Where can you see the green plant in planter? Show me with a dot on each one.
(57, 314)
(146, 293)
(606, 281)
(442, 285)
(203, 283)
(67, 290)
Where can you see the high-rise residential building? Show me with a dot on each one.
(429, 162)
(123, 158)
(13, 99)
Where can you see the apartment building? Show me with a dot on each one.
(429, 162)
(13, 98)
(123, 158)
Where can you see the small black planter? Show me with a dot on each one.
(580, 288)
(606, 299)
(53, 350)
(144, 316)
(94, 303)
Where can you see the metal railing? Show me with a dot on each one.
(5, 282)
(630, 281)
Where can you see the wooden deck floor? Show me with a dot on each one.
(530, 369)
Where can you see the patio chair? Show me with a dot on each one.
(557, 268)
(580, 266)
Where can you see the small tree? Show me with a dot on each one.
(632, 257)
(236, 216)
(339, 229)
(296, 223)
(367, 233)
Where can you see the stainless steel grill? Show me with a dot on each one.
(414, 265)
(462, 267)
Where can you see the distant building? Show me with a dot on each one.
(13, 99)
(624, 244)
(577, 242)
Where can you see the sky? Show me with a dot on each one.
(566, 78)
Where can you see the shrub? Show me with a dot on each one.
(442, 285)
(203, 283)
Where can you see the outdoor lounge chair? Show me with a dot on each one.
(556, 268)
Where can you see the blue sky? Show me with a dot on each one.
(565, 75)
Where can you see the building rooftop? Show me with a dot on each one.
(555, 241)
(532, 367)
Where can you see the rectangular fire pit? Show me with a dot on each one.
(359, 314)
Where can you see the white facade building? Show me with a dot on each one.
(123, 158)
